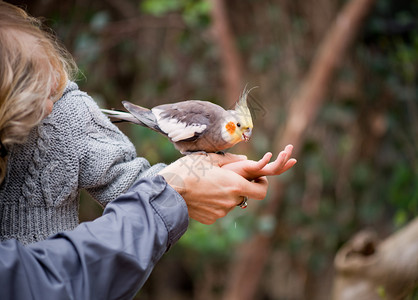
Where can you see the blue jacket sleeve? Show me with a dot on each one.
(108, 258)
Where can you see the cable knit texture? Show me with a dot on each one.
(76, 147)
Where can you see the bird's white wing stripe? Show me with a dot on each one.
(176, 130)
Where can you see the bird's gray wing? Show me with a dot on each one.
(186, 120)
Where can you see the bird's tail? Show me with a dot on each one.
(143, 115)
(120, 116)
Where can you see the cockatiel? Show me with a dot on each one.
(193, 125)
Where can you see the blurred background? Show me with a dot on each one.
(346, 99)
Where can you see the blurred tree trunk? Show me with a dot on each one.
(369, 269)
(247, 270)
(231, 61)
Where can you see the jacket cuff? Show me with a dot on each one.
(169, 205)
(152, 171)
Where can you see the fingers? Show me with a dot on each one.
(282, 163)
(256, 189)
(284, 155)
(207, 217)
(210, 210)
(288, 150)
(284, 158)
(290, 163)
(264, 161)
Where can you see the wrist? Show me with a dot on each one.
(175, 181)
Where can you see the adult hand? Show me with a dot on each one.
(254, 169)
(209, 190)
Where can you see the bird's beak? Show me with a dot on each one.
(247, 134)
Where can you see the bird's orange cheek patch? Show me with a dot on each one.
(230, 127)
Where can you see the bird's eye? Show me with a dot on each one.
(238, 124)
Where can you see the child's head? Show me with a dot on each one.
(34, 71)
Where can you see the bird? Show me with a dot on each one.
(193, 126)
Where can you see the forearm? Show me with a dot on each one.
(109, 258)
(108, 163)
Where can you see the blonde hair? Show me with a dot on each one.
(34, 68)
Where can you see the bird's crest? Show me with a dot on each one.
(242, 108)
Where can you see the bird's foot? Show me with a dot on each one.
(194, 152)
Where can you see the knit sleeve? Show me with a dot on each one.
(108, 164)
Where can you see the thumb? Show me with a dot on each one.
(227, 158)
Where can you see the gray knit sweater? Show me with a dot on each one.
(76, 147)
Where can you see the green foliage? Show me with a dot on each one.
(221, 237)
(152, 145)
(413, 295)
(394, 42)
(403, 193)
(381, 292)
(194, 13)
(160, 7)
